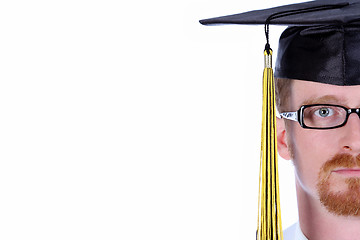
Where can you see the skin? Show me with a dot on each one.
(309, 149)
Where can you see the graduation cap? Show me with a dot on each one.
(321, 44)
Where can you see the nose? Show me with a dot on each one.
(351, 136)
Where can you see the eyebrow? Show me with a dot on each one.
(323, 100)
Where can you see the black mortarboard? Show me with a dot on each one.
(321, 44)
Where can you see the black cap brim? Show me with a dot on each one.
(301, 14)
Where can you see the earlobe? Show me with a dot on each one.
(282, 145)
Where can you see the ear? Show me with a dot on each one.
(282, 146)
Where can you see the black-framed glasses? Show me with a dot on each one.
(321, 116)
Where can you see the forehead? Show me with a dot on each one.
(306, 92)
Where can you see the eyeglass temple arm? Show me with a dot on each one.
(290, 116)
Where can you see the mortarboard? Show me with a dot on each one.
(336, 22)
(321, 44)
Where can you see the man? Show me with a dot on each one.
(318, 97)
(327, 162)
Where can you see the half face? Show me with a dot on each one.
(327, 162)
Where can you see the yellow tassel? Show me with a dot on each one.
(269, 221)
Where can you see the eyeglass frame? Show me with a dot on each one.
(298, 116)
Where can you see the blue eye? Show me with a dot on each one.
(324, 112)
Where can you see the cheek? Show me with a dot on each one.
(310, 152)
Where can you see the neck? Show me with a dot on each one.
(318, 224)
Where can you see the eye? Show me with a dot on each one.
(324, 112)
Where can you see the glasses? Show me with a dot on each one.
(321, 116)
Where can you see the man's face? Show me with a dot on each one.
(325, 160)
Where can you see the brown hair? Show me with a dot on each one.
(282, 93)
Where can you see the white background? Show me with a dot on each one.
(131, 121)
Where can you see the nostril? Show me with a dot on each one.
(347, 148)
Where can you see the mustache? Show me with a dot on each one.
(343, 160)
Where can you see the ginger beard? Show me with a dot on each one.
(340, 194)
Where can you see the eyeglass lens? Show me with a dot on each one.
(323, 116)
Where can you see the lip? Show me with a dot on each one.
(351, 172)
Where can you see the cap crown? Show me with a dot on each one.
(325, 54)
